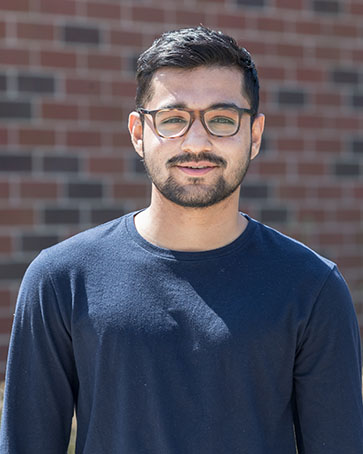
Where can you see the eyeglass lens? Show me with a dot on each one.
(174, 122)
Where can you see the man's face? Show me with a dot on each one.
(221, 162)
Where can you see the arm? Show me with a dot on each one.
(327, 376)
(41, 379)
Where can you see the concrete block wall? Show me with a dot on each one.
(67, 86)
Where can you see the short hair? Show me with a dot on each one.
(190, 48)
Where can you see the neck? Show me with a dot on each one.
(171, 226)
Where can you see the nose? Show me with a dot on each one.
(197, 138)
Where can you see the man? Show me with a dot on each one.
(187, 327)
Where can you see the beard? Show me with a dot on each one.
(195, 194)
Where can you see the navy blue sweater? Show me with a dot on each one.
(237, 350)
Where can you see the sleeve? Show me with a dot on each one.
(328, 375)
(41, 381)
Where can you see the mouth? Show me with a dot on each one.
(196, 169)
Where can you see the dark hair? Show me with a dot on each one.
(190, 48)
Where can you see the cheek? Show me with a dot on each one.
(234, 148)
(157, 149)
(152, 141)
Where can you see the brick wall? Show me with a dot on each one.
(67, 86)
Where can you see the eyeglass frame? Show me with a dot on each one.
(192, 112)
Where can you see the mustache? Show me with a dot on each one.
(202, 156)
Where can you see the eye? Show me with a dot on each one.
(173, 120)
(222, 120)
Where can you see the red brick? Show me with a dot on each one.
(290, 50)
(333, 239)
(311, 168)
(231, 21)
(358, 193)
(343, 122)
(328, 98)
(272, 24)
(64, 7)
(310, 75)
(147, 14)
(271, 72)
(16, 216)
(312, 215)
(290, 4)
(6, 297)
(6, 245)
(4, 190)
(356, 7)
(329, 53)
(121, 139)
(272, 168)
(36, 137)
(358, 239)
(61, 111)
(263, 96)
(349, 261)
(2, 29)
(311, 121)
(293, 192)
(345, 30)
(256, 47)
(104, 10)
(290, 144)
(348, 215)
(130, 190)
(5, 328)
(3, 136)
(14, 57)
(105, 113)
(189, 18)
(58, 59)
(357, 55)
(125, 38)
(104, 62)
(106, 164)
(4, 351)
(81, 86)
(328, 145)
(276, 119)
(329, 192)
(309, 27)
(38, 190)
(15, 5)
(35, 31)
(124, 89)
(83, 139)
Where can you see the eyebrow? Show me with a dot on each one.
(182, 105)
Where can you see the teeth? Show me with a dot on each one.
(197, 167)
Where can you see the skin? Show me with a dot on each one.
(166, 223)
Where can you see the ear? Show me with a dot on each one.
(135, 130)
(256, 135)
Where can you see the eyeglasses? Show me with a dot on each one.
(220, 121)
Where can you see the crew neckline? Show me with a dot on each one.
(171, 254)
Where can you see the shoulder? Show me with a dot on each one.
(286, 250)
(288, 264)
(300, 274)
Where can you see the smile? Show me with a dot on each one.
(196, 170)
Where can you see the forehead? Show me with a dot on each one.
(197, 88)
